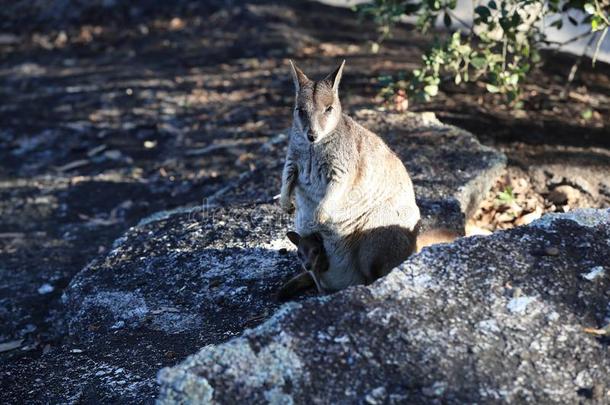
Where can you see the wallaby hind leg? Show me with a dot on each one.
(384, 248)
(295, 286)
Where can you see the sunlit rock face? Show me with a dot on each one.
(200, 271)
(484, 319)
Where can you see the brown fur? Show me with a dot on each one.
(311, 253)
(434, 236)
(296, 285)
(314, 260)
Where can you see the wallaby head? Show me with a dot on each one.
(314, 261)
(317, 109)
(310, 250)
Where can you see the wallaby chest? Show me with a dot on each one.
(314, 171)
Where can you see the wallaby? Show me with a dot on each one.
(314, 261)
(348, 185)
(311, 254)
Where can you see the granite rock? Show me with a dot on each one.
(484, 319)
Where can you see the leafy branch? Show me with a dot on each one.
(499, 48)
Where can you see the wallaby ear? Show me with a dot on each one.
(298, 77)
(335, 77)
(294, 237)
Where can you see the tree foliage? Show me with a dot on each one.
(499, 47)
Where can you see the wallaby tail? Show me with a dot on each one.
(434, 236)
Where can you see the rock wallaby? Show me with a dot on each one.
(314, 262)
(347, 185)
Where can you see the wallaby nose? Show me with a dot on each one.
(307, 266)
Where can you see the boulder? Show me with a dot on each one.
(178, 281)
(208, 271)
(485, 319)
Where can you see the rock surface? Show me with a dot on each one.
(138, 137)
(115, 110)
(576, 182)
(176, 282)
(192, 277)
(205, 271)
(481, 320)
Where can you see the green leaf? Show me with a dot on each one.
(431, 90)
(589, 8)
(499, 60)
(535, 57)
(507, 195)
(478, 62)
(491, 88)
(594, 25)
(516, 20)
(597, 23)
(513, 79)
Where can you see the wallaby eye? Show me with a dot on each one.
(329, 109)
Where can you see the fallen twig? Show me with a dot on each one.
(73, 165)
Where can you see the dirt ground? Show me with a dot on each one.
(107, 117)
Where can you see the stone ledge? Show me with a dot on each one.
(483, 319)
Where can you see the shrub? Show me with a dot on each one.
(499, 47)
